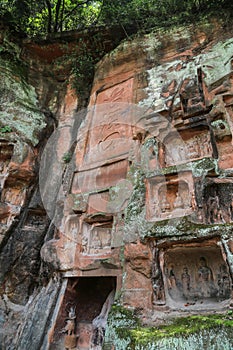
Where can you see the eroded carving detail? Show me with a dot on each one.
(170, 196)
(70, 337)
(192, 278)
(181, 150)
(157, 280)
(217, 202)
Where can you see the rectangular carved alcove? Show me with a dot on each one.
(6, 150)
(196, 275)
(110, 131)
(218, 200)
(170, 196)
(93, 238)
(96, 238)
(83, 300)
(186, 146)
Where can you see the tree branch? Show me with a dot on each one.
(86, 2)
(58, 6)
(61, 16)
(49, 26)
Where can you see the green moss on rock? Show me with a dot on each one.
(192, 332)
(19, 111)
(120, 320)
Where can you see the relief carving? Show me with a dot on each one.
(110, 134)
(100, 241)
(185, 278)
(192, 96)
(157, 280)
(117, 94)
(217, 202)
(179, 150)
(224, 283)
(85, 331)
(70, 339)
(96, 239)
(205, 280)
(170, 197)
(193, 279)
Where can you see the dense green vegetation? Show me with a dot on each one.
(35, 17)
(42, 17)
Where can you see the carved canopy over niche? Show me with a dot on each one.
(195, 275)
(170, 196)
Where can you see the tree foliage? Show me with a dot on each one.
(35, 17)
(146, 14)
(46, 16)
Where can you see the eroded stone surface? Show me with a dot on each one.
(159, 162)
(140, 192)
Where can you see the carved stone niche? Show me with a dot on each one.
(186, 146)
(110, 133)
(223, 136)
(35, 219)
(218, 201)
(196, 276)
(170, 196)
(192, 96)
(80, 303)
(100, 239)
(96, 239)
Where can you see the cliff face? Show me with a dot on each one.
(133, 194)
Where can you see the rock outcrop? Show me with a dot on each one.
(136, 189)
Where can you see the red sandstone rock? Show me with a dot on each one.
(178, 143)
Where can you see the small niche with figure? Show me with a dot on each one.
(194, 101)
(196, 275)
(100, 239)
(218, 201)
(35, 219)
(95, 238)
(170, 196)
(82, 317)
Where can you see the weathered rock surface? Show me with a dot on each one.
(138, 188)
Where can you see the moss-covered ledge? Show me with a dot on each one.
(208, 332)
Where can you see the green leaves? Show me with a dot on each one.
(46, 16)
(5, 129)
(35, 17)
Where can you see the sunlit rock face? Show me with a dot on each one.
(138, 187)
